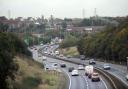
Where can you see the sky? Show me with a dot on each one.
(63, 8)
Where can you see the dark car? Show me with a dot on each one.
(106, 67)
(70, 69)
(63, 65)
(82, 57)
(92, 61)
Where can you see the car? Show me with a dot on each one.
(54, 65)
(44, 58)
(63, 65)
(47, 67)
(70, 69)
(82, 57)
(75, 73)
(41, 44)
(49, 53)
(126, 77)
(106, 67)
(92, 61)
(95, 77)
(61, 55)
(57, 52)
(80, 67)
(45, 52)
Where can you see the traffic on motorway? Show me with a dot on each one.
(76, 73)
(85, 73)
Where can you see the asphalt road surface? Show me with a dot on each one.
(116, 70)
(76, 82)
(81, 81)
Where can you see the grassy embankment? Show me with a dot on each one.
(31, 75)
(69, 51)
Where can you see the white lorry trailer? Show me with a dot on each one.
(89, 70)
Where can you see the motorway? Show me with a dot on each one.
(81, 81)
(75, 82)
(116, 70)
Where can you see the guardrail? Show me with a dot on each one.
(114, 82)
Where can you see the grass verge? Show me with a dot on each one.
(31, 75)
(69, 51)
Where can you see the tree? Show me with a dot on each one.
(69, 41)
(110, 44)
(10, 45)
(3, 27)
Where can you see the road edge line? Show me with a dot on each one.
(69, 80)
(104, 83)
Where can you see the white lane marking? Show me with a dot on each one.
(69, 80)
(87, 85)
(104, 83)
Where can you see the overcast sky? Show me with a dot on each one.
(63, 8)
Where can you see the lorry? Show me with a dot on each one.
(89, 70)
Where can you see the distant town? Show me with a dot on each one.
(41, 24)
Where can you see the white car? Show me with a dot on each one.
(41, 44)
(44, 58)
(45, 52)
(75, 73)
(80, 67)
(57, 52)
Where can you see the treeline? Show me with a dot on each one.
(10, 45)
(111, 44)
(69, 41)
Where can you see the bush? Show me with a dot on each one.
(31, 82)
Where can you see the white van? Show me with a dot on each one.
(89, 70)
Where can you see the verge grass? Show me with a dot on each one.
(31, 75)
